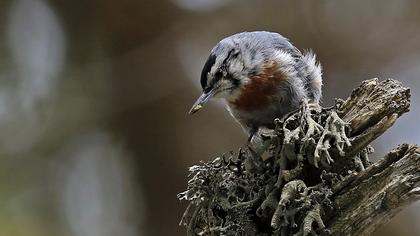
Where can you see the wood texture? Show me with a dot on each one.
(316, 178)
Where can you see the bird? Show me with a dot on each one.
(261, 76)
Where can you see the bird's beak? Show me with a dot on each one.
(201, 101)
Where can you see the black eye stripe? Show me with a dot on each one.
(231, 54)
(218, 76)
(228, 57)
(205, 84)
(233, 80)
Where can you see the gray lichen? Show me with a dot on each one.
(287, 194)
(286, 180)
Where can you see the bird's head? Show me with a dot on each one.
(224, 73)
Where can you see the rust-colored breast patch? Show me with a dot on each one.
(257, 93)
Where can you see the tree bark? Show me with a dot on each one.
(373, 197)
(317, 179)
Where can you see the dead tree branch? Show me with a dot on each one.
(316, 178)
(376, 195)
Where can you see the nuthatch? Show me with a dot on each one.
(261, 75)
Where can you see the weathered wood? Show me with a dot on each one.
(377, 194)
(372, 101)
(317, 178)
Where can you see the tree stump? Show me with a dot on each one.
(311, 175)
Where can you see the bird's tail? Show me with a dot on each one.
(312, 72)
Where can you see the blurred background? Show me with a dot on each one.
(94, 134)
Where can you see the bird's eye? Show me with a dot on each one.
(218, 75)
(207, 89)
